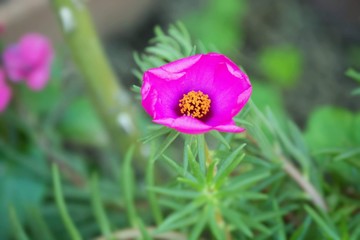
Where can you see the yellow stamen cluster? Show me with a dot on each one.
(195, 104)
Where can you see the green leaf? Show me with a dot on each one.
(270, 215)
(150, 182)
(144, 232)
(179, 169)
(281, 235)
(155, 133)
(301, 232)
(352, 73)
(168, 203)
(127, 183)
(220, 137)
(165, 52)
(172, 220)
(270, 180)
(327, 228)
(210, 172)
(202, 148)
(330, 127)
(218, 23)
(297, 137)
(60, 202)
(228, 165)
(164, 48)
(356, 91)
(352, 152)
(166, 143)
(18, 229)
(199, 225)
(81, 124)
(191, 183)
(175, 192)
(19, 189)
(180, 33)
(266, 233)
(282, 65)
(287, 143)
(237, 220)
(183, 223)
(356, 129)
(355, 234)
(194, 166)
(188, 141)
(39, 226)
(32, 162)
(217, 232)
(98, 208)
(267, 96)
(259, 226)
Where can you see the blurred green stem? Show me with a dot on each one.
(18, 229)
(59, 198)
(110, 99)
(98, 208)
(150, 180)
(294, 173)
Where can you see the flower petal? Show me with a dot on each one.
(5, 92)
(214, 74)
(201, 76)
(5, 97)
(230, 127)
(184, 124)
(230, 94)
(12, 63)
(35, 49)
(29, 60)
(158, 99)
(181, 65)
(2, 78)
(38, 78)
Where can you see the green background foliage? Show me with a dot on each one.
(60, 179)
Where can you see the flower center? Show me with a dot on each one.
(195, 104)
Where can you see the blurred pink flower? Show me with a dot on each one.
(5, 92)
(29, 60)
(196, 94)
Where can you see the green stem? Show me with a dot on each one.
(305, 184)
(202, 146)
(59, 197)
(110, 99)
(127, 183)
(98, 208)
(19, 232)
(207, 160)
(150, 180)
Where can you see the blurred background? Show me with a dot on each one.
(296, 53)
(302, 48)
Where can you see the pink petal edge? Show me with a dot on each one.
(5, 97)
(38, 78)
(191, 125)
(184, 124)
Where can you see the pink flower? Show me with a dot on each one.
(29, 60)
(196, 94)
(5, 92)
